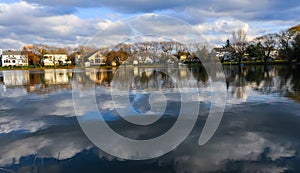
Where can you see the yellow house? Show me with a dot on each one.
(183, 57)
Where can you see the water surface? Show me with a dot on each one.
(259, 131)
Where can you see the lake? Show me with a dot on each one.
(259, 131)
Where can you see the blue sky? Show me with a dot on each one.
(73, 22)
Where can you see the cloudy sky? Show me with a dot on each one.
(73, 22)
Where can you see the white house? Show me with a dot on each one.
(274, 54)
(14, 58)
(224, 54)
(96, 58)
(56, 59)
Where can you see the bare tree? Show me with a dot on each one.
(167, 47)
(269, 43)
(285, 45)
(240, 43)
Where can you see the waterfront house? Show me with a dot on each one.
(274, 54)
(224, 54)
(55, 59)
(182, 56)
(14, 58)
(78, 59)
(96, 58)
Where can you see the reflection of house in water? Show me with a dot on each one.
(101, 76)
(15, 78)
(12, 80)
(59, 76)
(49, 81)
(1, 77)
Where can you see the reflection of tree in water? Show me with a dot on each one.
(104, 77)
(41, 83)
(152, 80)
(199, 74)
(155, 78)
(294, 80)
(280, 80)
(235, 77)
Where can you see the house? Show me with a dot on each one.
(96, 58)
(182, 56)
(146, 60)
(274, 54)
(14, 58)
(55, 59)
(78, 59)
(224, 54)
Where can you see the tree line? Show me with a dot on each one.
(156, 51)
(36, 52)
(286, 43)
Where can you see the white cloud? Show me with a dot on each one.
(32, 21)
(218, 31)
(24, 23)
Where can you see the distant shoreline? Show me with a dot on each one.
(145, 65)
(36, 68)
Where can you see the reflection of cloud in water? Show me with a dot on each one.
(244, 136)
(12, 93)
(214, 156)
(62, 142)
(34, 112)
(247, 136)
(258, 133)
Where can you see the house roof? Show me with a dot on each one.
(11, 52)
(222, 49)
(90, 54)
(218, 49)
(93, 53)
(55, 54)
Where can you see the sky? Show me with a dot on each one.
(73, 22)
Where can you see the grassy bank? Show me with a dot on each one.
(73, 67)
(36, 68)
(276, 62)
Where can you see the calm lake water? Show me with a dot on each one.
(259, 132)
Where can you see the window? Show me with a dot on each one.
(97, 61)
(13, 61)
